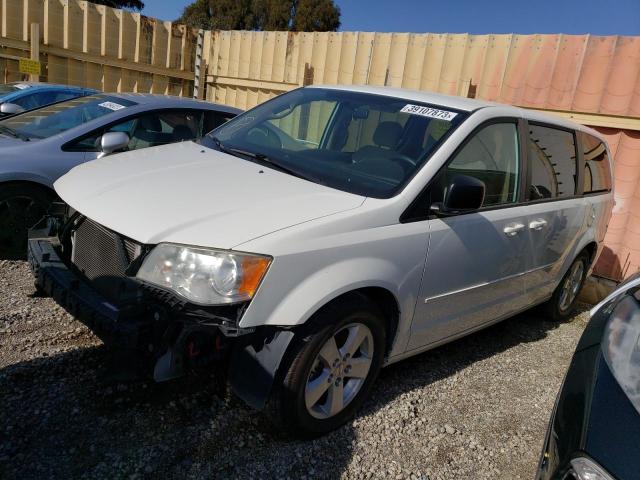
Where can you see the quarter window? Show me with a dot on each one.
(491, 155)
(597, 171)
(552, 161)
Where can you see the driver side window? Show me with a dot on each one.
(92, 142)
(491, 156)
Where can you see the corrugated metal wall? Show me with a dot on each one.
(594, 80)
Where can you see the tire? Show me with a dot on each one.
(347, 319)
(21, 207)
(560, 307)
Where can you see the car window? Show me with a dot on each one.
(213, 120)
(153, 129)
(91, 143)
(552, 161)
(361, 143)
(597, 170)
(39, 99)
(490, 155)
(28, 102)
(147, 130)
(51, 120)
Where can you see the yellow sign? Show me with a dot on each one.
(31, 67)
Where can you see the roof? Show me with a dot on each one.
(51, 85)
(458, 103)
(169, 101)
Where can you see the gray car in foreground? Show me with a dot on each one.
(39, 146)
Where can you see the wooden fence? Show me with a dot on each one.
(96, 46)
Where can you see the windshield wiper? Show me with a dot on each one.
(264, 159)
(13, 133)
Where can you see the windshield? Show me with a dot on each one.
(361, 143)
(54, 119)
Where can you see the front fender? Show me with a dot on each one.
(296, 305)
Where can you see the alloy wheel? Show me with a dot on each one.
(339, 370)
(571, 286)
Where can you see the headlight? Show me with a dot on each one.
(621, 347)
(586, 469)
(204, 276)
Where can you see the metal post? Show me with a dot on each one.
(198, 65)
(35, 48)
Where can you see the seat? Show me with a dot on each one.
(148, 133)
(182, 133)
(377, 159)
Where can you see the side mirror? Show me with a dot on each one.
(113, 141)
(464, 194)
(10, 109)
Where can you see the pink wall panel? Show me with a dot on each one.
(622, 77)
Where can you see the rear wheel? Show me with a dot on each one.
(331, 371)
(21, 206)
(562, 303)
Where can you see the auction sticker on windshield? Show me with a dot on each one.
(111, 105)
(428, 112)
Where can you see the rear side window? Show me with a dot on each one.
(552, 163)
(597, 171)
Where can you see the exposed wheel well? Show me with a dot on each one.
(386, 302)
(591, 249)
(26, 183)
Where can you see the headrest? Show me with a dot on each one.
(387, 134)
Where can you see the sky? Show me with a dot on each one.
(598, 17)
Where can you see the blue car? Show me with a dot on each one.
(18, 97)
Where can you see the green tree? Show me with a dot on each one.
(316, 16)
(127, 4)
(307, 15)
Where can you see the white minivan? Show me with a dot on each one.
(325, 234)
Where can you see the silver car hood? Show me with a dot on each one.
(186, 193)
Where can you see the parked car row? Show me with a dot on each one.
(322, 235)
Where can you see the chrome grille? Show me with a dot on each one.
(102, 255)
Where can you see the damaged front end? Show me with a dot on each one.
(90, 271)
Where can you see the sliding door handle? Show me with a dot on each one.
(513, 229)
(538, 224)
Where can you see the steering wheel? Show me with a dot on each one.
(261, 135)
(405, 162)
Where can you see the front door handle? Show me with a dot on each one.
(538, 224)
(513, 229)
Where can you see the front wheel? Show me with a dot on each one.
(21, 207)
(562, 303)
(331, 371)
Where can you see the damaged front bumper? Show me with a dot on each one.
(170, 336)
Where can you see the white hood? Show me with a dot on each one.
(187, 193)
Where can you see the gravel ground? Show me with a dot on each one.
(476, 408)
